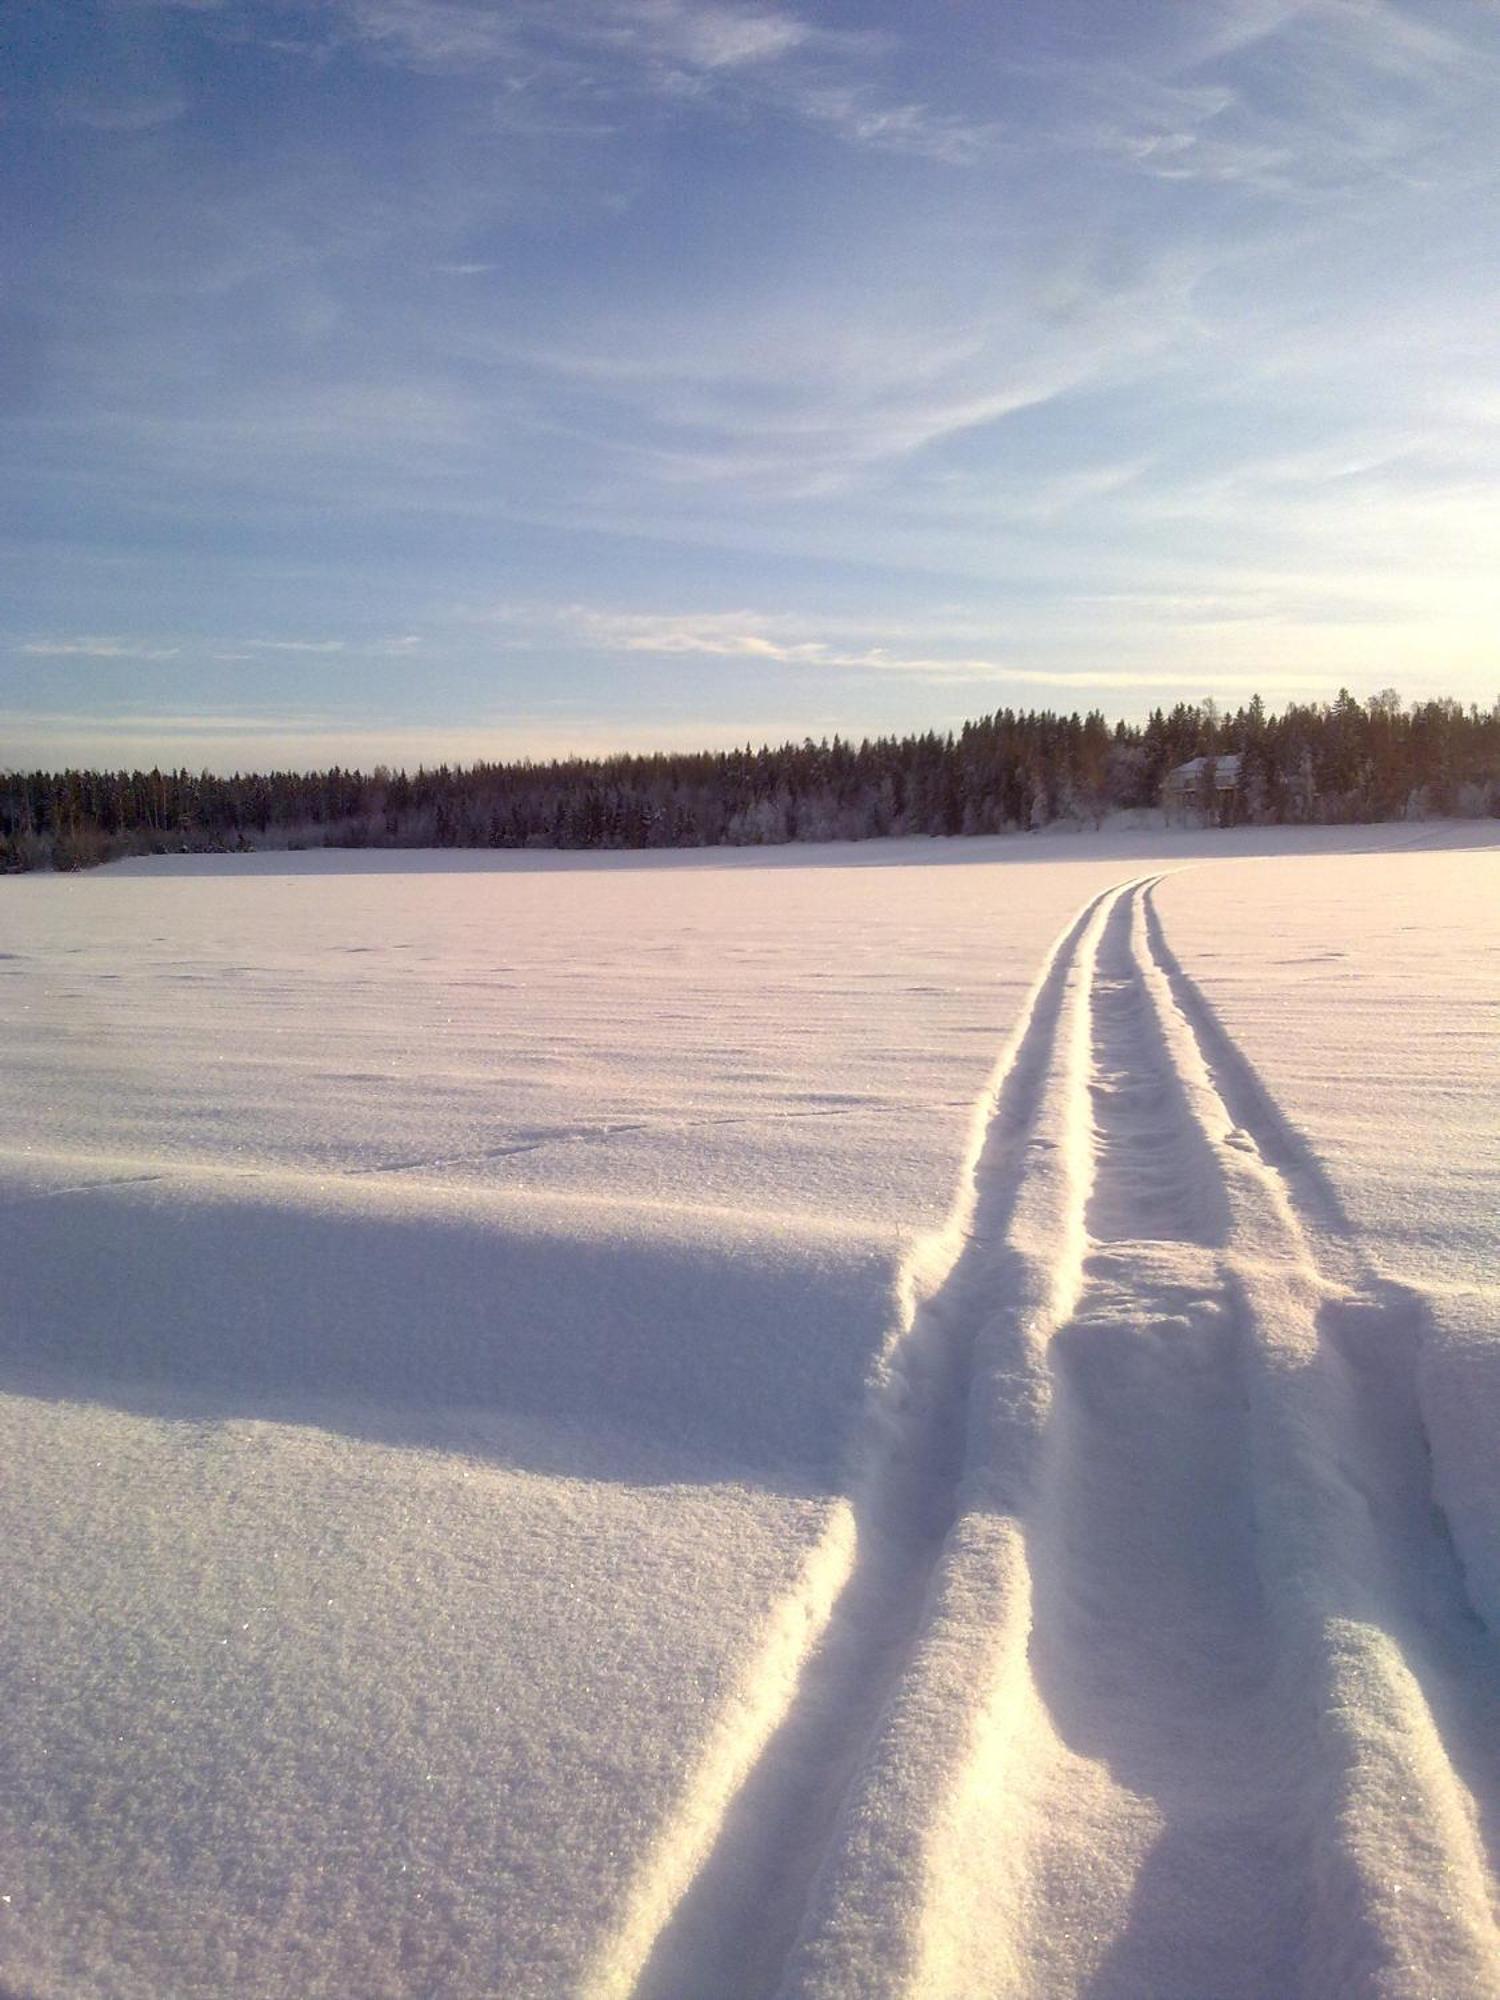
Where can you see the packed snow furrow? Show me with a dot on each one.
(755, 1849)
(1153, 1178)
(1139, 1802)
(1116, 1818)
(1385, 1688)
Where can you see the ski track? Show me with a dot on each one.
(1138, 1664)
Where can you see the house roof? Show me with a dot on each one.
(1226, 771)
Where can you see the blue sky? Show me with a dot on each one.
(390, 380)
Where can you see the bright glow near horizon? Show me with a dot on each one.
(399, 380)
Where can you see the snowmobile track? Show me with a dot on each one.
(1138, 1662)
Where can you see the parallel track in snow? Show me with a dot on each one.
(1139, 1662)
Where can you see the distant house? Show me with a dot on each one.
(1206, 786)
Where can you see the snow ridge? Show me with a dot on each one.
(1139, 1660)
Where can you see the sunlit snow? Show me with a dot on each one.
(913, 1419)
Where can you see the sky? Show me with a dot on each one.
(423, 380)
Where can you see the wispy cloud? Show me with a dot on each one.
(95, 648)
(806, 404)
(391, 646)
(708, 54)
(697, 34)
(1296, 100)
(858, 114)
(296, 645)
(228, 740)
(745, 636)
(122, 111)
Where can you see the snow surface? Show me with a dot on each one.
(907, 1419)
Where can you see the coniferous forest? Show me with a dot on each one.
(1341, 761)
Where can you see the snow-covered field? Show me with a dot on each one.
(916, 1419)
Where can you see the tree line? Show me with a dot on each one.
(1341, 761)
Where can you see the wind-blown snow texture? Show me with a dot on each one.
(865, 1422)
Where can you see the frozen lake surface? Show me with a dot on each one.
(912, 1419)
